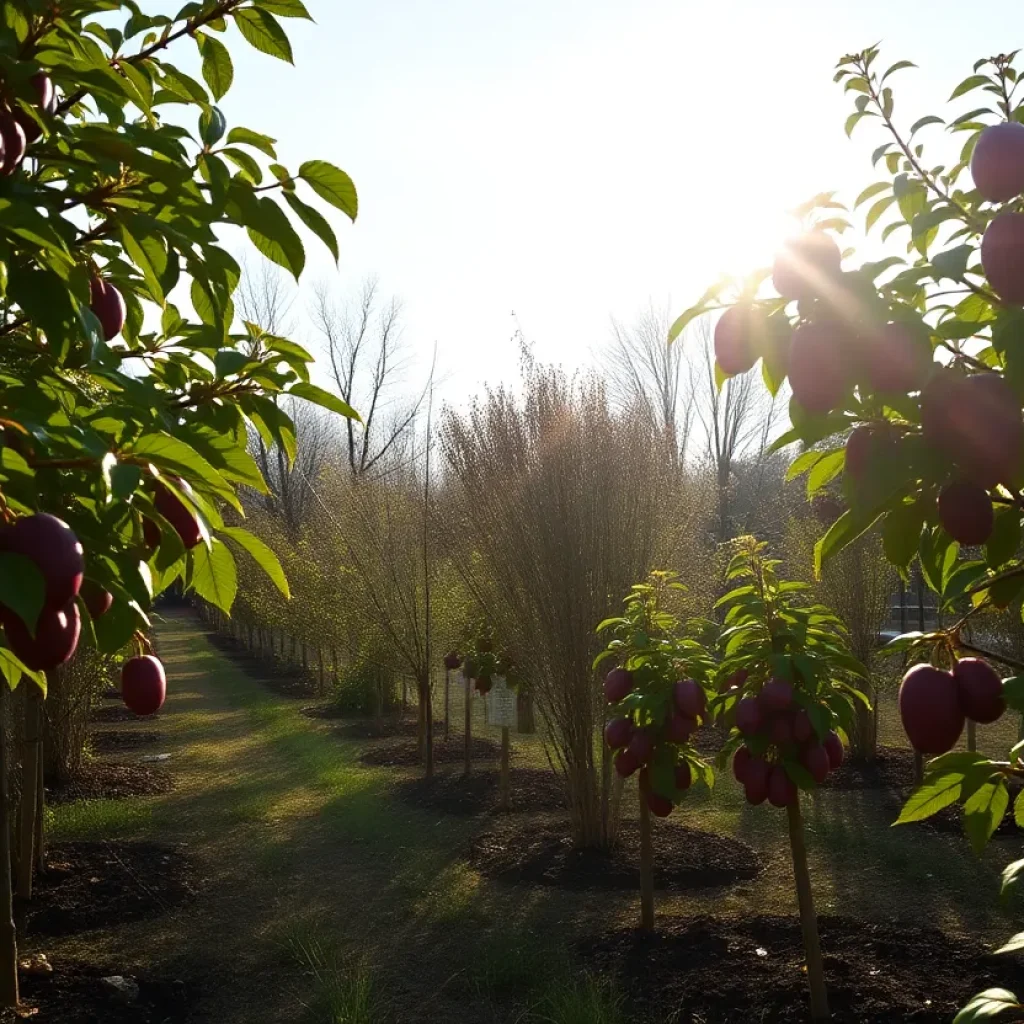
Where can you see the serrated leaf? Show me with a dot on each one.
(318, 396)
(22, 588)
(987, 1005)
(984, 810)
(931, 797)
(218, 71)
(922, 122)
(247, 137)
(260, 29)
(871, 190)
(315, 222)
(332, 185)
(214, 574)
(968, 85)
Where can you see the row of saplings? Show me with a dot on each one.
(56, 552)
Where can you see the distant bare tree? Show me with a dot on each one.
(364, 347)
(645, 371)
(265, 300)
(737, 419)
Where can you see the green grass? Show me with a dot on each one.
(99, 819)
(580, 1001)
(340, 991)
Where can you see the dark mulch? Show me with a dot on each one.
(530, 789)
(892, 768)
(75, 994)
(111, 693)
(110, 780)
(90, 885)
(361, 728)
(286, 680)
(709, 740)
(111, 714)
(738, 972)
(116, 741)
(404, 753)
(543, 853)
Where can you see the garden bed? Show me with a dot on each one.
(112, 714)
(405, 753)
(542, 853)
(892, 768)
(112, 780)
(735, 972)
(530, 789)
(89, 885)
(117, 741)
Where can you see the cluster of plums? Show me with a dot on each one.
(636, 745)
(935, 704)
(782, 730)
(18, 130)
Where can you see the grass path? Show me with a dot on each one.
(300, 849)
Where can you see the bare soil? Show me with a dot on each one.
(118, 741)
(90, 885)
(112, 780)
(404, 753)
(543, 853)
(738, 971)
(530, 789)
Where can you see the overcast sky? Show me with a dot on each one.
(574, 160)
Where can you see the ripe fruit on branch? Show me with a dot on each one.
(626, 763)
(688, 696)
(834, 748)
(683, 775)
(680, 728)
(748, 716)
(976, 422)
(484, 684)
(897, 358)
(755, 781)
(781, 790)
(171, 507)
(661, 806)
(803, 729)
(816, 760)
(143, 684)
(97, 599)
(1002, 257)
(740, 763)
(965, 511)
(819, 366)
(452, 661)
(807, 266)
(739, 336)
(107, 303)
(53, 546)
(617, 685)
(780, 732)
(641, 746)
(55, 640)
(618, 732)
(980, 690)
(930, 709)
(997, 163)
(860, 447)
(14, 143)
(776, 695)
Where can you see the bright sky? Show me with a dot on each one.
(573, 159)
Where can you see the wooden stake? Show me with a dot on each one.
(8, 935)
(469, 726)
(646, 867)
(503, 786)
(29, 797)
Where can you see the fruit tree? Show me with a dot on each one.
(128, 389)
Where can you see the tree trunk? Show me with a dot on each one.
(972, 736)
(524, 713)
(421, 724)
(646, 868)
(468, 737)
(29, 797)
(447, 702)
(40, 843)
(8, 935)
(503, 786)
(321, 688)
(808, 918)
(334, 665)
(428, 735)
(918, 768)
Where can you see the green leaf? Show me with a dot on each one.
(876, 211)
(953, 262)
(968, 85)
(845, 530)
(984, 810)
(218, 71)
(275, 237)
(986, 1005)
(316, 395)
(1018, 811)
(261, 30)
(931, 796)
(1014, 944)
(1004, 540)
(332, 185)
(285, 8)
(825, 470)
(872, 190)
(264, 557)
(898, 66)
(22, 588)
(246, 137)
(922, 122)
(1012, 874)
(901, 533)
(172, 455)
(315, 222)
(803, 463)
(214, 574)
(117, 625)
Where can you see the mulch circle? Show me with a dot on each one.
(90, 885)
(543, 853)
(115, 713)
(530, 789)
(404, 753)
(111, 741)
(112, 780)
(738, 971)
(891, 768)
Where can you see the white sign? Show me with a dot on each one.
(501, 704)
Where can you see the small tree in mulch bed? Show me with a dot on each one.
(657, 693)
(788, 686)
